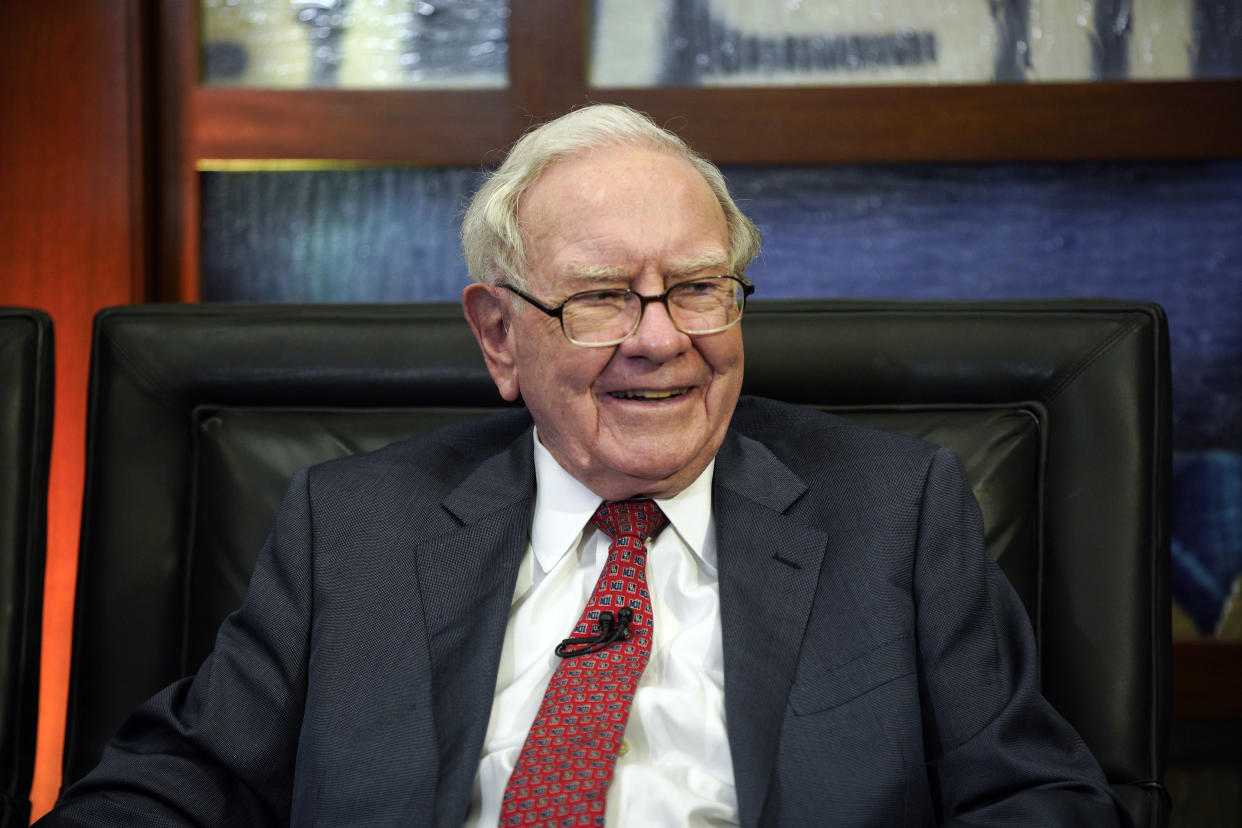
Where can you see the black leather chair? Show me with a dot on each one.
(1059, 410)
(26, 389)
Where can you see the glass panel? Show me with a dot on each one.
(354, 43)
(848, 42)
(334, 235)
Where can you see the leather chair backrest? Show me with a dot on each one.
(26, 389)
(1058, 409)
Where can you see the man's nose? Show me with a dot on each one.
(656, 338)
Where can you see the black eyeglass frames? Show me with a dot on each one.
(598, 318)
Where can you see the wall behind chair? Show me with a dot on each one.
(71, 208)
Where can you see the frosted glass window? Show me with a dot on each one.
(355, 44)
(849, 42)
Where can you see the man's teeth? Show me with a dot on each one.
(648, 395)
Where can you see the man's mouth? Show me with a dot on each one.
(638, 394)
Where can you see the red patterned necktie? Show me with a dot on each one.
(566, 763)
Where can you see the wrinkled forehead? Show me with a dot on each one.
(711, 258)
(603, 212)
(596, 175)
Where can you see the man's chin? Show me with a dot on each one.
(656, 480)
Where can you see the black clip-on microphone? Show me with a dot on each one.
(608, 633)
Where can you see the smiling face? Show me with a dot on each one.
(640, 418)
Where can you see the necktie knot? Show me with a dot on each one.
(629, 518)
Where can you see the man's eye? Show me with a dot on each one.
(602, 297)
(701, 287)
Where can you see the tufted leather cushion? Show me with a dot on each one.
(1059, 411)
(26, 388)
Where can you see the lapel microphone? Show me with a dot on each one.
(612, 628)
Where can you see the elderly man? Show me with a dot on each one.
(639, 602)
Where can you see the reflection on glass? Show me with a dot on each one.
(354, 43)
(846, 42)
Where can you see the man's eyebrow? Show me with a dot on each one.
(703, 261)
(598, 272)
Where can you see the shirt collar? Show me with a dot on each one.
(563, 506)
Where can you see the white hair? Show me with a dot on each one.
(491, 238)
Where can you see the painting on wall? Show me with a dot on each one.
(464, 43)
(354, 44)
(846, 42)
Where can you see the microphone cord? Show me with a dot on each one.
(612, 628)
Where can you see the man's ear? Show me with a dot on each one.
(488, 312)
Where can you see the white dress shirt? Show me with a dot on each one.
(675, 768)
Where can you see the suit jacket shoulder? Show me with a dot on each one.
(812, 442)
(875, 656)
(431, 464)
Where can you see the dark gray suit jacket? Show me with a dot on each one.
(878, 668)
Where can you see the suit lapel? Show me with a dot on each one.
(466, 578)
(769, 570)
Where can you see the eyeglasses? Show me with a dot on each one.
(598, 318)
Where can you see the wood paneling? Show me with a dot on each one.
(996, 122)
(171, 42)
(71, 207)
(433, 127)
(1065, 122)
(1207, 680)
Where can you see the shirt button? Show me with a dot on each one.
(625, 748)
